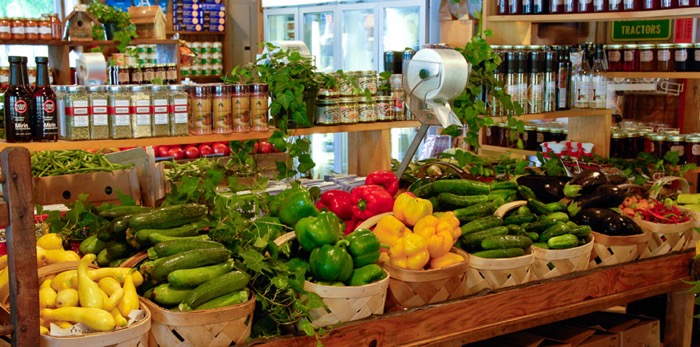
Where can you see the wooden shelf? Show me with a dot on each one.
(597, 17)
(88, 43)
(484, 315)
(181, 140)
(499, 149)
(558, 114)
(33, 42)
(635, 74)
(200, 33)
(204, 79)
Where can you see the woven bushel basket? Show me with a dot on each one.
(666, 238)
(611, 250)
(493, 273)
(223, 326)
(551, 263)
(135, 335)
(344, 303)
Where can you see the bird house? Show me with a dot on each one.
(78, 24)
(149, 21)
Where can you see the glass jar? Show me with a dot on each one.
(676, 143)
(171, 73)
(31, 29)
(346, 84)
(385, 109)
(544, 134)
(503, 134)
(149, 73)
(557, 134)
(685, 3)
(398, 106)
(658, 145)
(650, 5)
(160, 73)
(77, 103)
(178, 112)
(530, 137)
(695, 57)
(327, 111)
(667, 4)
(135, 75)
(348, 110)
(221, 109)
(614, 57)
(56, 27)
(664, 57)
(17, 29)
(240, 107)
(99, 115)
(367, 80)
(5, 29)
(614, 5)
(617, 145)
(259, 94)
(647, 55)
(631, 5)
(200, 101)
(160, 110)
(630, 57)
(140, 103)
(692, 149)
(367, 110)
(119, 115)
(631, 149)
(680, 56)
(45, 29)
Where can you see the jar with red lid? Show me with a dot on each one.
(630, 57)
(17, 28)
(31, 29)
(664, 57)
(5, 29)
(614, 53)
(647, 57)
(692, 149)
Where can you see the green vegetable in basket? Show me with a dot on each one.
(331, 263)
(314, 232)
(367, 274)
(364, 247)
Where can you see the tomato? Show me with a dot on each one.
(205, 150)
(256, 147)
(162, 151)
(191, 152)
(177, 153)
(221, 148)
(265, 148)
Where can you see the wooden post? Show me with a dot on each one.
(21, 249)
(679, 325)
(369, 151)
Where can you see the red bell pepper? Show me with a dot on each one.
(384, 179)
(336, 201)
(370, 200)
(350, 225)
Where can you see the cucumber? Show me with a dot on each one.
(539, 227)
(519, 218)
(191, 278)
(455, 200)
(563, 241)
(526, 193)
(556, 217)
(115, 229)
(141, 236)
(542, 245)
(474, 239)
(166, 295)
(533, 236)
(167, 248)
(480, 224)
(505, 194)
(116, 250)
(455, 186)
(506, 241)
(168, 217)
(117, 262)
(214, 288)
(556, 206)
(500, 253)
(504, 185)
(581, 231)
(435, 203)
(559, 228)
(158, 237)
(187, 260)
(233, 298)
(470, 213)
(523, 210)
(103, 258)
(92, 245)
(514, 229)
(538, 207)
(120, 211)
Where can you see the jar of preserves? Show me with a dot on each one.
(631, 5)
(324, 93)
(141, 124)
(77, 105)
(171, 73)
(692, 149)
(544, 134)
(664, 57)
(99, 115)
(348, 110)
(695, 57)
(17, 29)
(259, 94)
(529, 137)
(31, 29)
(367, 80)
(676, 143)
(385, 109)
(680, 56)
(614, 5)
(5, 29)
(179, 110)
(631, 149)
(347, 84)
(367, 110)
(630, 57)
(327, 111)
(119, 113)
(45, 29)
(135, 75)
(614, 57)
(617, 145)
(221, 109)
(557, 134)
(56, 27)
(160, 73)
(647, 55)
(200, 109)
(658, 145)
(160, 110)
(240, 107)
(149, 73)
(503, 134)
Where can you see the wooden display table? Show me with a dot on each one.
(484, 315)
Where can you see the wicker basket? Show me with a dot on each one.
(217, 327)
(611, 250)
(666, 238)
(488, 273)
(556, 262)
(414, 288)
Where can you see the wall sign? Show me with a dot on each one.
(642, 30)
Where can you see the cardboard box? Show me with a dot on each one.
(577, 336)
(601, 339)
(521, 339)
(631, 331)
(101, 187)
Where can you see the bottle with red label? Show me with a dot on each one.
(44, 122)
(17, 105)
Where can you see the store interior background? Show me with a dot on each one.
(352, 35)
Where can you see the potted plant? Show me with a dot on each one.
(116, 23)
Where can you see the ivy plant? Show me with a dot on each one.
(125, 30)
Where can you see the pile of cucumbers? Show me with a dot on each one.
(468, 199)
(186, 274)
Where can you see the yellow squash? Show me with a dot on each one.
(54, 256)
(40, 256)
(43, 330)
(130, 300)
(4, 285)
(89, 293)
(67, 298)
(47, 298)
(113, 290)
(93, 318)
(50, 241)
(3, 261)
(118, 318)
(69, 279)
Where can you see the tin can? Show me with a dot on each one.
(367, 110)
(327, 111)
(385, 108)
(348, 110)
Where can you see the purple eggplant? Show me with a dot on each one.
(546, 188)
(606, 195)
(593, 217)
(584, 183)
(620, 225)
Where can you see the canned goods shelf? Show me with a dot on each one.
(597, 16)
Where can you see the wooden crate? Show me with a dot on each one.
(101, 187)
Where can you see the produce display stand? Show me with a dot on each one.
(488, 314)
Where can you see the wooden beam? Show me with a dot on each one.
(369, 151)
(679, 326)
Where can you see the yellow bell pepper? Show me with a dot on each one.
(452, 220)
(409, 252)
(437, 233)
(446, 260)
(389, 229)
(409, 209)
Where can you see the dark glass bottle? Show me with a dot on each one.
(44, 121)
(501, 9)
(539, 6)
(25, 75)
(600, 5)
(569, 6)
(17, 105)
(514, 7)
(563, 79)
(556, 6)
(527, 6)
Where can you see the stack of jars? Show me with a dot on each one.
(664, 57)
(209, 60)
(46, 28)
(146, 74)
(534, 134)
(122, 112)
(515, 7)
(628, 143)
(223, 109)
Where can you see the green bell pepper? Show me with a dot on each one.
(364, 247)
(366, 275)
(292, 205)
(314, 232)
(331, 263)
